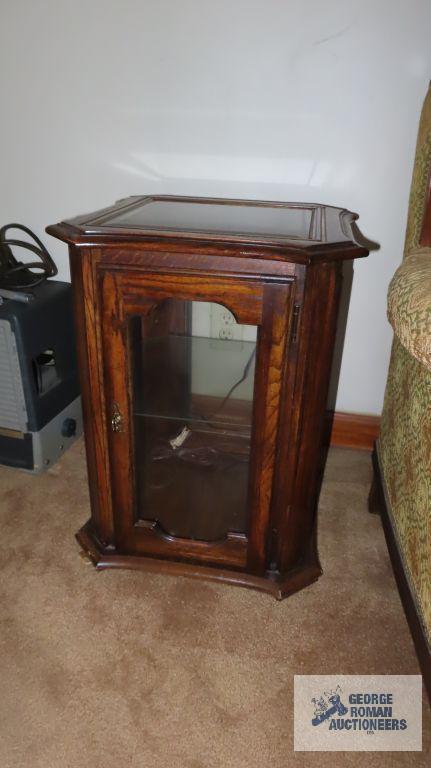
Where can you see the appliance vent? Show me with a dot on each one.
(13, 413)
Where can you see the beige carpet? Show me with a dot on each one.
(129, 670)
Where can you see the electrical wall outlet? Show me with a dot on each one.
(223, 324)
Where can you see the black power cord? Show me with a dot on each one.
(245, 373)
(18, 275)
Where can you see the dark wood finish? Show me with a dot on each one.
(277, 266)
(377, 504)
(301, 577)
(122, 295)
(355, 430)
(299, 473)
(332, 233)
(88, 331)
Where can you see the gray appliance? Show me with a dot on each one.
(40, 404)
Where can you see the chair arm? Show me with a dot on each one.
(409, 304)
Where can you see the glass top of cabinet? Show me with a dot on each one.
(300, 226)
(200, 215)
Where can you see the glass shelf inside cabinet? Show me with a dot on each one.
(193, 379)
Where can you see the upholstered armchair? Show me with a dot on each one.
(402, 460)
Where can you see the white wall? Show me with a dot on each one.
(276, 99)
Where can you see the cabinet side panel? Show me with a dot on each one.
(83, 264)
(270, 364)
(305, 418)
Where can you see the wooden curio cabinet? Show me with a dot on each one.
(206, 332)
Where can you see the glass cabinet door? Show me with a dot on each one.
(193, 372)
(193, 369)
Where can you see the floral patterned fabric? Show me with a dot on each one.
(420, 179)
(409, 304)
(404, 445)
(405, 458)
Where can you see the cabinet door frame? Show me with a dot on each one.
(266, 304)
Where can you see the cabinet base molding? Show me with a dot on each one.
(355, 430)
(291, 582)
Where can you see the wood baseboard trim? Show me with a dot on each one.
(355, 430)
(378, 503)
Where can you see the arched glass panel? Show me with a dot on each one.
(193, 379)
